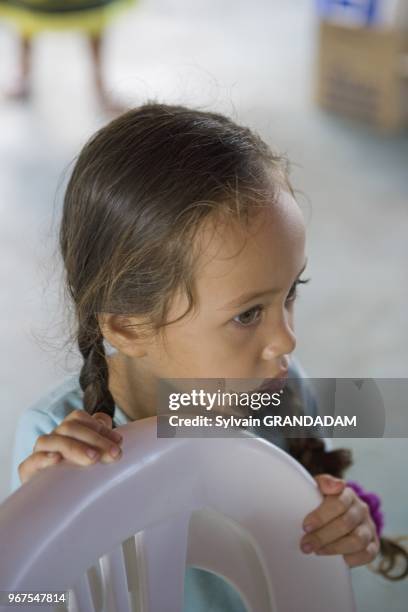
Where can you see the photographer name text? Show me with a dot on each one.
(267, 421)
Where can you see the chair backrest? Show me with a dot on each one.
(233, 506)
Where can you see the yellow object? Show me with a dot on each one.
(33, 16)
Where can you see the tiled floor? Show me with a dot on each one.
(257, 66)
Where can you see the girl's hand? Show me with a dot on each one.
(341, 525)
(80, 438)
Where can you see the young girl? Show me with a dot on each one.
(183, 247)
(31, 17)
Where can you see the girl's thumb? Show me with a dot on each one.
(105, 418)
(329, 485)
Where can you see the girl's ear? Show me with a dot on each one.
(125, 333)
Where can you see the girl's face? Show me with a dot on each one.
(243, 326)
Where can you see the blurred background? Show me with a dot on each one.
(332, 94)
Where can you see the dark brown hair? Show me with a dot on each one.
(140, 189)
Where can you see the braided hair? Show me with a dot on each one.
(94, 375)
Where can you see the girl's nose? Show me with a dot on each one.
(281, 342)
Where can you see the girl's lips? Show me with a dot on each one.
(273, 384)
(269, 384)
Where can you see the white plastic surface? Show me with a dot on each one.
(234, 506)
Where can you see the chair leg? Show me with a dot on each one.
(164, 552)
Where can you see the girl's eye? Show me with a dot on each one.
(292, 295)
(247, 318)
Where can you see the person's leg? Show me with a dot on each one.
(112, 106)
(21, 88)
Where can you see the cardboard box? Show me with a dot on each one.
(360, 74)
(360, 13)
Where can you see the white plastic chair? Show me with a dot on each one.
(233, 506)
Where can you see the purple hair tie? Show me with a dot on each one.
(373, 501)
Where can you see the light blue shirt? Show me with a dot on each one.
(203, 591)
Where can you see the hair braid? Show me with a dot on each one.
(311, 453)
(94, 375)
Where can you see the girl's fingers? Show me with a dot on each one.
(83, 451)
(331, 507)
(81, 438)
(70, 426)
(35, 462)
(365, 556)
(337, 528)
(99, 422)
(354, 542)
(104, 427)
(81, 431)
(80, 415)
(102, 416)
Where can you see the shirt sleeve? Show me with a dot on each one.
(31, 424)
